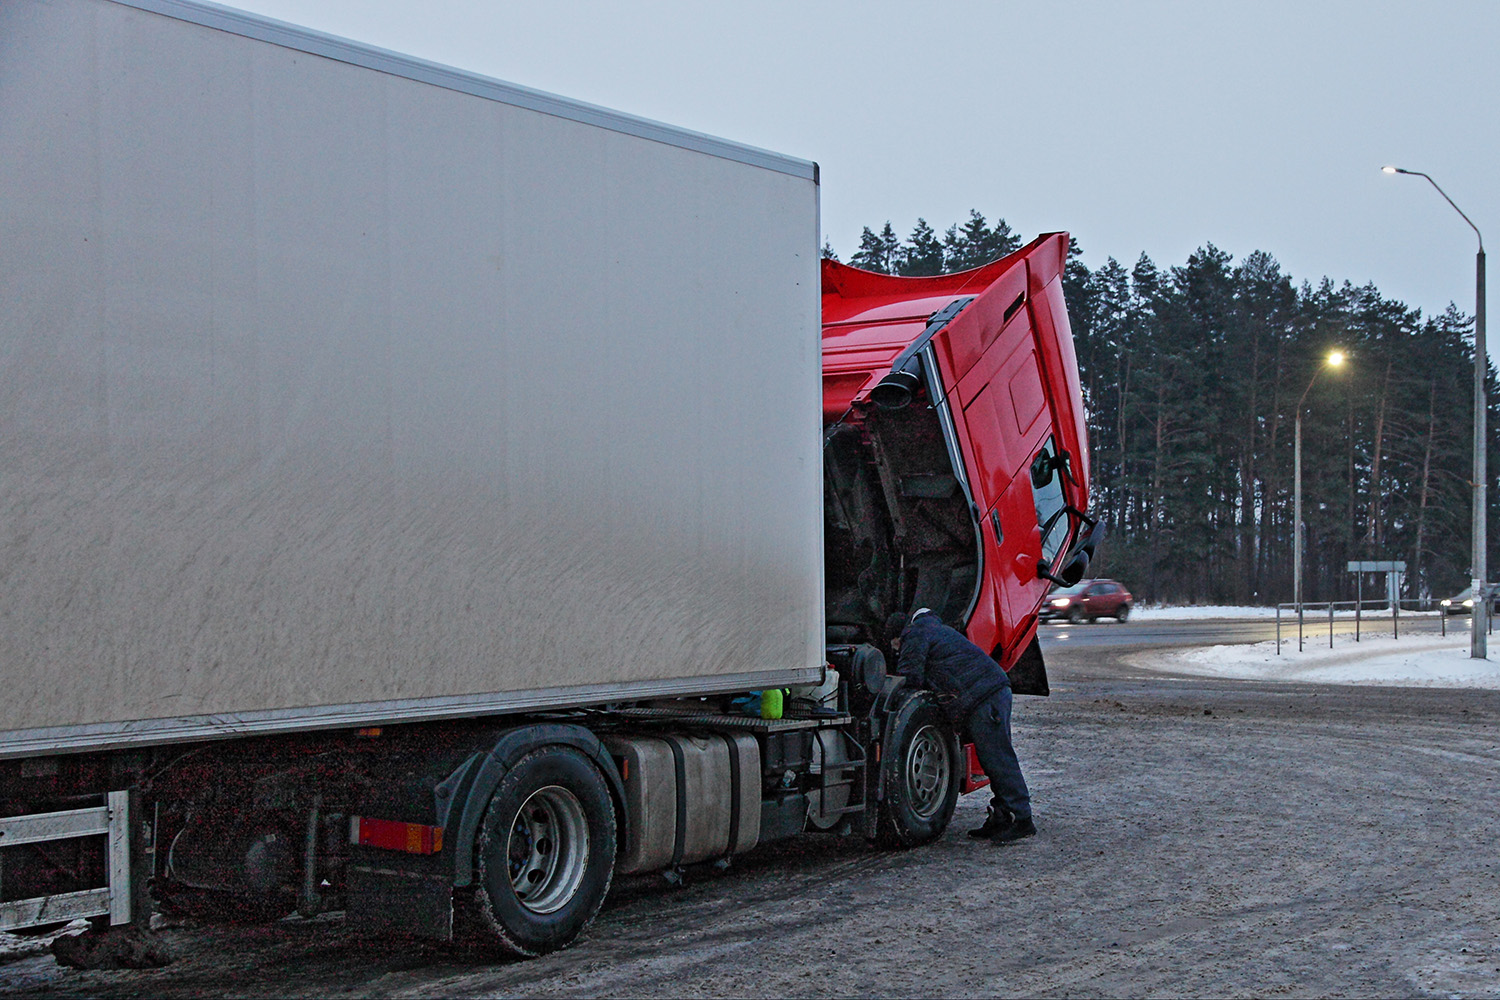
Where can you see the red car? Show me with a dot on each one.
(1089, 601)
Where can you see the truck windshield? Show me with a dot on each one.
(1047, 491)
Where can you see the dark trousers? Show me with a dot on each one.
(989, 728)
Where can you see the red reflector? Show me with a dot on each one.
(974, 776)
(393, 835)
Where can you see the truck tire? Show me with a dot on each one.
(545, 851)
(921, 774)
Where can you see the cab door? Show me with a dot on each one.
(995, 377)
(1006, 426)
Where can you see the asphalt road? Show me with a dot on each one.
(1198, 838)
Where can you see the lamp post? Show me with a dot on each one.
(1479, 569)
(1333, 360)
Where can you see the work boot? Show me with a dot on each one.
(1017, 830)
(994, 823)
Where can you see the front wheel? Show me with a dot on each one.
(1076, 616)
(546, 851)
(921, 774)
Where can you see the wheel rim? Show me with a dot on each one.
(927, 771)
(548, 849)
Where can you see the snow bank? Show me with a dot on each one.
(1199, 611)
(1412, 661)
(18, 946)
(1148, 613)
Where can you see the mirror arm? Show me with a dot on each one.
(1064, 461)
(1045, 572)
(1044, 569)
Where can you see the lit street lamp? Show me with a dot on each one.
(1479, 570)
(1333, 360)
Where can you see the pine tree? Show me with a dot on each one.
(877, 252)
(890, 245)
(975, 243)
(828, 251)
(923, 253)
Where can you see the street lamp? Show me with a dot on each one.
(1333, 360)
(1479, 569)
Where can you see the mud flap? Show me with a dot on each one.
(1029, 675)
(974, 776)
(384, 901)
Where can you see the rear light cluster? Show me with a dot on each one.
(393, 835)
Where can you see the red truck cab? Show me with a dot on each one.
(955, 451)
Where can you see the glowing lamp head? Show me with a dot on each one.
(1335, 358)
(1390, 170)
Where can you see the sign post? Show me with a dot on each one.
(1394, 570)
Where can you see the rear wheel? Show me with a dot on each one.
(546, 851)
(1123, 613)
(922, 776)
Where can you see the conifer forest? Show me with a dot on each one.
(1192, 373)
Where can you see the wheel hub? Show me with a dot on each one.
(547, 850)
(927, 771)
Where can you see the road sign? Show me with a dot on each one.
(1368, 566)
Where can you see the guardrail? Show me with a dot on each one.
(1358, 607)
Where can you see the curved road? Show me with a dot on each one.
(1199, 837)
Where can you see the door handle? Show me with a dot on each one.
(995, 520)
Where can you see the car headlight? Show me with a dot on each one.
(1469, 603)
(1445, 602)
(1061, 602)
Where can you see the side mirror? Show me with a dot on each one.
(1074, 561)
(1046, 463)
(1041, 471)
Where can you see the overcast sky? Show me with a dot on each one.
(1136, 126)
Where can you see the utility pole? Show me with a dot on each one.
(1479, 560)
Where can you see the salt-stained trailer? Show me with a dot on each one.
(339, 388)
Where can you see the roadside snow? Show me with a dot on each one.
(1426, 661)
(18, 946)
(1197, 611)
(1229, 611)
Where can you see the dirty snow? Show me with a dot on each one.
(17, 946)
(1411, 661)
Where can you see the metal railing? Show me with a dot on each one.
(1387, 610)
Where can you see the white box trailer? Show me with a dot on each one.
(410, 483)
(338, 388)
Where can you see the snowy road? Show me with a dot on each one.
(1199, 837)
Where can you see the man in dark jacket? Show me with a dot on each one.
(976, 694)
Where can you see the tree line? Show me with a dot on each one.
(1191, 377)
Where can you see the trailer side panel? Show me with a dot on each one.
(330, 396)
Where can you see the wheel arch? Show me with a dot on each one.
(471, 787)
(904, 704)
(895, 827)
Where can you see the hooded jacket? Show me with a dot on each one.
(936, 656)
